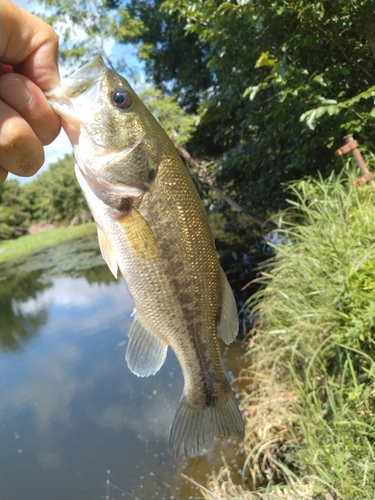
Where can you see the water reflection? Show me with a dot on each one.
(17, 326)
(71, 409)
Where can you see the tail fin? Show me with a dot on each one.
(193, 424)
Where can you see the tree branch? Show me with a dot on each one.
(345, 55)
(206, 179)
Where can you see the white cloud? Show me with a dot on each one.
(50, 396)
(78, 293)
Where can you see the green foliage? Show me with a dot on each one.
(332, 107)
(13, 217)
(265, 64)
(316, 319)
(174, 57)
(251, 71)
(84, 27)
(55, 195)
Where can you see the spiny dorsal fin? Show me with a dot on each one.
(228, 324)
(139, 235)
(107, 251)
(145, 353)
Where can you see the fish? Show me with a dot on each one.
(153, 229)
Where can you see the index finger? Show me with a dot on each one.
(29, 45)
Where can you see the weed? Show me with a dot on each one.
(310, 405)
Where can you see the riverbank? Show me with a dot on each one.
(11, 249)
(310, 398)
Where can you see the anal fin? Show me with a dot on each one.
(146, 353)
(228, 324)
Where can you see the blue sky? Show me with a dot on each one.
(61, 145)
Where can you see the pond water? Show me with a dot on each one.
(75, 422)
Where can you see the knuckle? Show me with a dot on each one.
(52, 36)
(12, 132)
(47, 128)
(21, 151)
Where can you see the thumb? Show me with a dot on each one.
(29, 45)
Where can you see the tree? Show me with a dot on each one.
(175, 59)
(55, 195)
(13, 216)
(84, 27)
(250, 70)
(271, 62)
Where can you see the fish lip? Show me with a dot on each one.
(78, 81)
(69, 87)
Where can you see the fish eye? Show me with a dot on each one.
(121, 98)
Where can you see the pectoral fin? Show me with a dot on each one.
(228, 325)
(139, 235)
(146, 353)
(107, 251)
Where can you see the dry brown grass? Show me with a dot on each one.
(221, 487)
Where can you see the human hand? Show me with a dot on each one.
(28, 66)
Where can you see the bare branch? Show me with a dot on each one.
(206, 179)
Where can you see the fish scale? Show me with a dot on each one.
(152, 226)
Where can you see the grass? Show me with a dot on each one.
(310, 402)
(11, 249)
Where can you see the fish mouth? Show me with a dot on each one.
(79, 81)
(84, 79)
(61, 98)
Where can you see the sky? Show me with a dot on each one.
(61, 145)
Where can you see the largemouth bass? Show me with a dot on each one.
(153, 227)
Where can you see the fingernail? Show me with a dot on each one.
(15, 93)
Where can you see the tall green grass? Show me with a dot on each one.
(310, 398)
(315, 334)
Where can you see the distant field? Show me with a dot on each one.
(11, 249)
